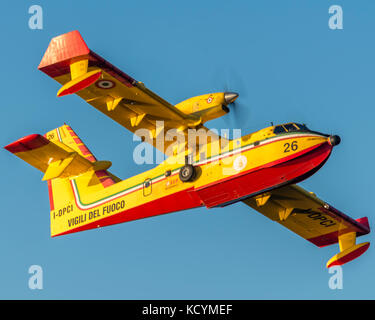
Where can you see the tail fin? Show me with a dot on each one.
(62, 156)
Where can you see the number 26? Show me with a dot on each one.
(288, 146)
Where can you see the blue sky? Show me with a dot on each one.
(286, 64)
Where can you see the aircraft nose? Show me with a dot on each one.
(229, 97)
(334, 140)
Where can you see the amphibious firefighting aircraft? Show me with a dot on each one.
(260, 169)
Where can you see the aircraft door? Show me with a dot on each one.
(147, 187)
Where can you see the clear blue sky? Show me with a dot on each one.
(286, 64)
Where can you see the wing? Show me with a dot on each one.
(55, 159)
(69, 61)
(313, 219)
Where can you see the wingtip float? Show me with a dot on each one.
(261, 169)
(348, 255)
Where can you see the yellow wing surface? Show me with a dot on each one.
(79, 70)
(55, 158)
(313, 219)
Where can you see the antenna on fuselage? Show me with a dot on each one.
(272, 123)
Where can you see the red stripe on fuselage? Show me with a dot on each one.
(176, 202)
(267, 165)
(191, 198)
(258, 180)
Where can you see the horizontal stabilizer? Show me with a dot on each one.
(55, 159)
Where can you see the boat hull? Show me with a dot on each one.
(265, 178)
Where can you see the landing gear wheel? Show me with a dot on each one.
(187, 173)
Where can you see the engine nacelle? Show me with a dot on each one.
(207, 107)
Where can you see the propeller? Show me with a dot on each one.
(235, 100)
(230, 97)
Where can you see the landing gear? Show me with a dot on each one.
(187, 173)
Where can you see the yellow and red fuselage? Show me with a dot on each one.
(247, 166)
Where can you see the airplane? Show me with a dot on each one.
(260, 169)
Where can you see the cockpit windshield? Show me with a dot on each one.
(290, 127)
(302, 127)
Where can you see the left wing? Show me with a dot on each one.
(69, 61)
(314, 220)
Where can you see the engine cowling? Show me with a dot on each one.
(208, 106)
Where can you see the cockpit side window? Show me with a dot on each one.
(279, 129)
(291, 127)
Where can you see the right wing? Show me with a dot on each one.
(313, 219)
(70, 62)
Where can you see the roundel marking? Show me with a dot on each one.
(105, 84)
(239, 163)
